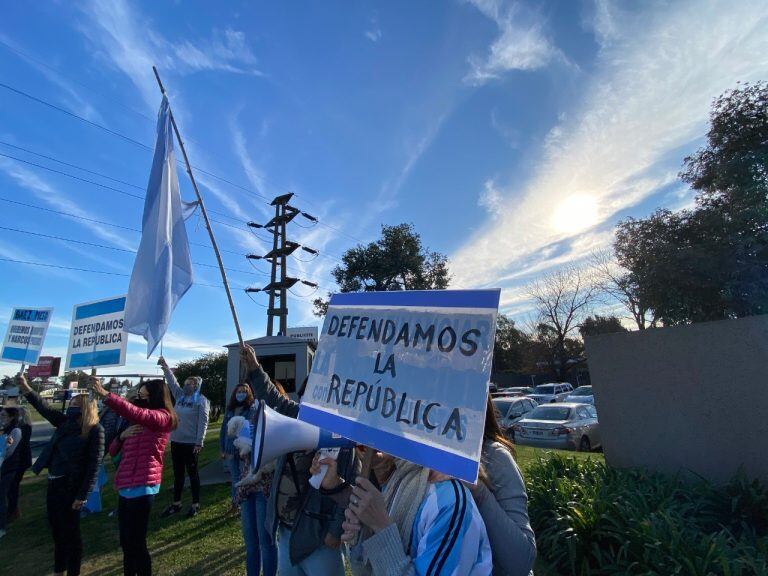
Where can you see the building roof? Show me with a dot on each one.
(267, 340)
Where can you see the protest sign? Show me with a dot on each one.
(407, 373)
(97, 338)
(25, 336)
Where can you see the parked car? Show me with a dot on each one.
(514, 391)
(512, 409)
(566, 426)
(554, 392)
(582, 395)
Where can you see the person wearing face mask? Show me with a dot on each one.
(19, 460)
(142, 447)
(72, 457)
(18, 457)
(192, 409)
(240, 403)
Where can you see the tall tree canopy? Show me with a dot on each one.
(212, 368)
(598, 324)
(710, 262)
(396, 261)
(511, 346)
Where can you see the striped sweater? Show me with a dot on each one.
(448, 538)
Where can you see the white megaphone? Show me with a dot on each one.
(275, 435)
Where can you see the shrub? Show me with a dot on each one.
(592, 519)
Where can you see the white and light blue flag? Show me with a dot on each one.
(162, 272)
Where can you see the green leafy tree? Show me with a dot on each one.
(396, 261)
(598, 324)
(510, 347)
(710, 262)
(212, 368)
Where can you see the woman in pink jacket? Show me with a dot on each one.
(142, 448)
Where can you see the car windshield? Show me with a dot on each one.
(549, 413)
(582, 391)
(545, 389)
(502, 406)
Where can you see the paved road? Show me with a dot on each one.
(41, 433)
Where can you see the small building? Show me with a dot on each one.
(287, 360)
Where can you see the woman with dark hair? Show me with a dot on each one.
(72, 457)
(138, 477)
(18, 457)
(308, 523)
(240, 402)
(25, 463)
(503, 503)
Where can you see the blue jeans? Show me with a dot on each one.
(324, 560)
(234, 475)
(260, 549)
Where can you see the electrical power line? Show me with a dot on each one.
(91, 271)
(149, 148)
(106, 247)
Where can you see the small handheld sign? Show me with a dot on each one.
(407, 373)
(25, 336)
(97, 338)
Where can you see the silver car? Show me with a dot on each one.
(565, 426)
(582, 395)
(553, 392)
(510, 410)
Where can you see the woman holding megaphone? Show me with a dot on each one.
(72, 457)
(308, 523)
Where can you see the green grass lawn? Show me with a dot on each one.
(210, 544)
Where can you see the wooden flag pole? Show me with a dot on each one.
(204, 212)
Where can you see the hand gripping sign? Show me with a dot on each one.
(407, 373)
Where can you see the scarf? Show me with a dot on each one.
(403, 494)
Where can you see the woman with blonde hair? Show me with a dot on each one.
(72, 457)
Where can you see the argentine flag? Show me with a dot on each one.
(162, 272)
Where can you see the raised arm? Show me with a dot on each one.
(157, 420)
(55, 417)
(263, 388)
(170, 379)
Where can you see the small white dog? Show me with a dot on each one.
(240, 429)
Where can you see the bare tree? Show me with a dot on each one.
(563, 299)
(616, 282)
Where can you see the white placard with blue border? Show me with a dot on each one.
(407, 373)
(25, 335)
(97, 338)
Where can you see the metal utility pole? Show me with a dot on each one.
(280, 282)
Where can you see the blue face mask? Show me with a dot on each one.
(240, 396)
(74, 411)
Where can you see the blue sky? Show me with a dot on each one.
(514, 135)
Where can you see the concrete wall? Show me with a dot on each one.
(691, 398)
(278, 346)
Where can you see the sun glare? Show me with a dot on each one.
(575, 214)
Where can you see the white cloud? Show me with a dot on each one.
(374, 32)
(603, 22)
(132, 45)
(647, 102)
(51, 196)
(521, 44)
(490, 198)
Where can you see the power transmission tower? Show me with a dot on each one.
(280, 282)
